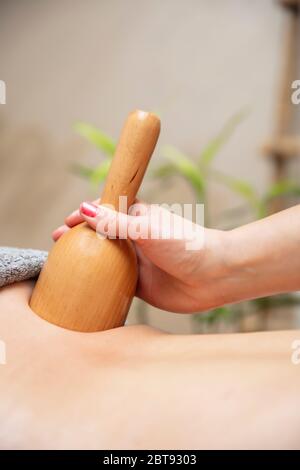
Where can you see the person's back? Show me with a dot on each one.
(136, 387)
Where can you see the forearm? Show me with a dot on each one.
(263, 257)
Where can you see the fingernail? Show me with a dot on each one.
(87, 208)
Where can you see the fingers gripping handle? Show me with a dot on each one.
(87, 284)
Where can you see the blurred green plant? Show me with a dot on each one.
(234, 312)
(102, 142)
(198, 173)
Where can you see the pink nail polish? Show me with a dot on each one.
(87, 208)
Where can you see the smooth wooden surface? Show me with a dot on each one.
(88, 283)
(136, 144)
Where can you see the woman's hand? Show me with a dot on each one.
(180, 265)
(204, 268)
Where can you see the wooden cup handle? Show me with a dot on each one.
(135, 147)
(87, 284)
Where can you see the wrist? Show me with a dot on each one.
(240, 274)
(222, 279)
(216, 260)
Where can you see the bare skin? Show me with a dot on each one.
(135, 387)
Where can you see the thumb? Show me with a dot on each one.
(144, 222)
(166, 239)
(112, 224)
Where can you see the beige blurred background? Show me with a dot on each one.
(196, 62)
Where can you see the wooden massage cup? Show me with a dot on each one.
(88, 283)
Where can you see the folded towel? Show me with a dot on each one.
(18, 264)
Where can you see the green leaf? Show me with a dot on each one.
(185, 167)
(164, 171)
(240, 187)
(214, 146)
(283, 188)
(276, 301)
(100, 172)
(81, 170)
(215, 315)
(97, 137)
(235, 311)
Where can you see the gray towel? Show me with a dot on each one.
(18, 264)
